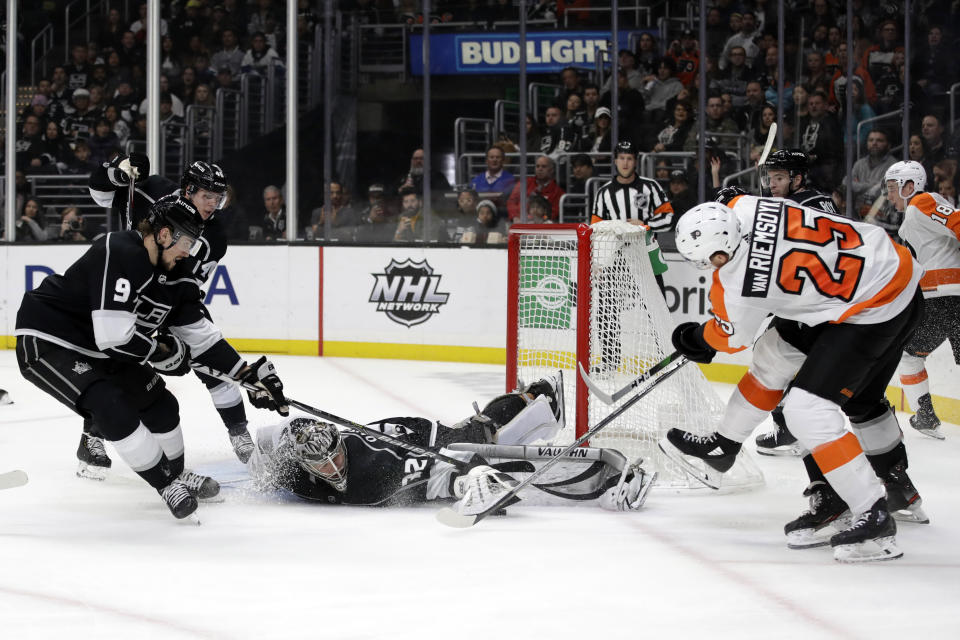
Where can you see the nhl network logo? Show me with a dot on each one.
(407, 292)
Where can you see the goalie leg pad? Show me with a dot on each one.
(535, 422)
(505, 408)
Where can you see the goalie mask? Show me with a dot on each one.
(320, 451)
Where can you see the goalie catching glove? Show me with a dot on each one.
(171, 357)
(269, 394)
(122, 168)
(688, 339)
(631, 492)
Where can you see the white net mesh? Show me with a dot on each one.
(629, 331)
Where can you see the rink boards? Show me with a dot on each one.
(383, 302)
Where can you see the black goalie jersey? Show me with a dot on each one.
(378, 473)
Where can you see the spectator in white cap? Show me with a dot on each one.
(603, 128)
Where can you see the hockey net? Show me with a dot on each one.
(587, 294)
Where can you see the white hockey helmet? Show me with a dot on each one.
(706, 229)
(320, 451)
(906, 171)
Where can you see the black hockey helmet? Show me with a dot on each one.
(179, 214)
(793, 161)
(204, 175)
(319, 450)
(625, 146)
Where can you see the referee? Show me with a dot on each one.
(637, 200)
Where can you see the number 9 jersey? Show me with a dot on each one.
(806, 265)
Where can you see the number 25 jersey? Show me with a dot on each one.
(806, 265)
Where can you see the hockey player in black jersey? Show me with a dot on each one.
(318, 461)
(89, 338)
(205, 186)
(784, 174)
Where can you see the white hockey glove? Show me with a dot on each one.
(269, 394)
(171, 357)
(631, 492)
(480, 488)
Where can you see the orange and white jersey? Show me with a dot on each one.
(806, 265)
(931, 228)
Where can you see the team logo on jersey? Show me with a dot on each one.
(80, 367)
(408, 292)
(763, 244)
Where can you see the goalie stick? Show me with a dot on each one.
(428, 452)
(617, 395)
(11, 479)
(451, 518)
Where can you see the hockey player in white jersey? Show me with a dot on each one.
(931, 230)
(853, 296)
(320, 462)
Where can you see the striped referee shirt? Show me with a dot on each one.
(643, 199)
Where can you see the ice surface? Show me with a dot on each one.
(105, 560)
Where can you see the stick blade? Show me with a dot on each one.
(456, 520)
(606, 398)
(12, 479)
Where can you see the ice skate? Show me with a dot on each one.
(93, 459)
(903, 499)
(241, 442)
(200, 487)
(925, 420)
(178, 499)
(826, 508)
(5, 397)
(779, 442)
(872, 537)
(705, 457)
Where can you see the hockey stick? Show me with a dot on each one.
(646, 375)
(767, 146)
(350, 424)
(11, 479)
(131, 189)
(451, 518)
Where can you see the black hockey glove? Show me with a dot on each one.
(171, 357)
(688, 339)
(726, 194)
(269, 394)
(122, 168)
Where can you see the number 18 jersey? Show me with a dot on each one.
(806, 265)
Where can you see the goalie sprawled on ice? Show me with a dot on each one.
(319, 461)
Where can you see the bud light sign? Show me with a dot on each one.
(547, 51)
(408, 292)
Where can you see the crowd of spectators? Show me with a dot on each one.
(91, 108)
(94, 106)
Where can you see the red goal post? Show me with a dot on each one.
(586, 295)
